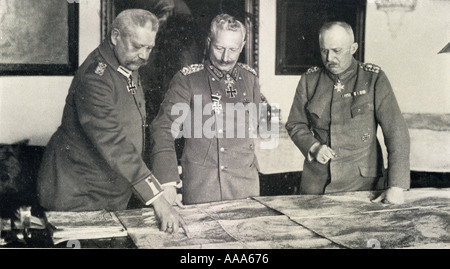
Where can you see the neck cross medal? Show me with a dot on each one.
(339, 86)
(231, 92)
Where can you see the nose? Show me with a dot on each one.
(225, 55)
(330, 56)
(144, 54)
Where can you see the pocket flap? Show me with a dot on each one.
(361, 109)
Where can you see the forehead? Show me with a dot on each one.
(228, 38)
(335, 37)
(143, 35)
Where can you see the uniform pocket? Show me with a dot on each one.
(369, 171)
(361, 109)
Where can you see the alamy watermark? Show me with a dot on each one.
(235, 120)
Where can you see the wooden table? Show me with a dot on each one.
(346, 220)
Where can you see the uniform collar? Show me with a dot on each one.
(219, 74)
(108, 55)
(346, 74)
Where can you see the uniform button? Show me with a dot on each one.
(244, 94)
(222, 149)
(240, 77)
(222, 167)
(220, 131)
(251, 146)
(213, 79)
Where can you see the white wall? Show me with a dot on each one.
(31, 106)
(419, 75)
(278, 89)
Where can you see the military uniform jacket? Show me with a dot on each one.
(95, 157)
(218, 160)
(344, 111)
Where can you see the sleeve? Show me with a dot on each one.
(298, 125)
(98, 116)
(166, 127)
(395, 132)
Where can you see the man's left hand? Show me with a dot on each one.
(392, 195)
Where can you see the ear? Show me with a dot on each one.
(115, 36)
(354, 48)
(208, 41)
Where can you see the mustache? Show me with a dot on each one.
(225, 63)
(139, 62)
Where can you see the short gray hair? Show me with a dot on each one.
(130, 18)
(342, 24)
(228, 23)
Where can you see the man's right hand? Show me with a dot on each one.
(322, 154)
(169, 218)
(171, 195)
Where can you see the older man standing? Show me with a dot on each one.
(334, 119)
(94, 160)
(217, 163)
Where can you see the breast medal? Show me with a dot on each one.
(339, 87)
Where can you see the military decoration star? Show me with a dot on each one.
(231, 92)
(339, 87)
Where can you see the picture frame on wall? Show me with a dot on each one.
(38, 37)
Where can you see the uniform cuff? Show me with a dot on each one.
(148, 190)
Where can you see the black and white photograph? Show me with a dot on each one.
(241, 126)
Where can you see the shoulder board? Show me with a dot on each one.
(100, 69)
(193, 68)
(312, 70)
(248, 68)
(370, 67)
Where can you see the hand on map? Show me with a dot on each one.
(392, 195)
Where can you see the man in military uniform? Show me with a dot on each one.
(217, 163)
(94, 160)
(334, 119)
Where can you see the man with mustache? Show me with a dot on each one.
(334, 119)
(94, 160)
(216, 163)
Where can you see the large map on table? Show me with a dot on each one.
(346, 220)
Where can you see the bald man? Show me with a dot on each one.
(334, 118)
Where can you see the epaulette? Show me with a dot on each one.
(100, 69)
(370, 67)
(193, 68)
(312, 70)
(248, 68)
